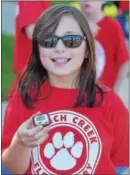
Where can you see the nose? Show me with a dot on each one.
(60, 47)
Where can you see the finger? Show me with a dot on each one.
(38, 142)
(37, 136)
(28, 123)
(40, 134)
(31, 132)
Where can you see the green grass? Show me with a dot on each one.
(61, 2)
(7, 60)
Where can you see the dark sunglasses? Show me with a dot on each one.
(70, 41)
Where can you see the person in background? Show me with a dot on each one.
(26, 16)
(124, 5)
(123, 17)
(27, 12)
(87, 130)
(110, 8)
(99, 51)
(120, 11)
(111, 37)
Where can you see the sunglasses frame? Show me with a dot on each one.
(62, 38)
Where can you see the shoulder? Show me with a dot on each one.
(16, 108)
(111, 22)
(111, 97)
(15, 100)
(112, 103)
(114, 106)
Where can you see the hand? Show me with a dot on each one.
(31, 136)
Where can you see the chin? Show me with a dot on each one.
(64, 73)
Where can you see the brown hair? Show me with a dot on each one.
(35, 74)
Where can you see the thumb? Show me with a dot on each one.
(29, 123)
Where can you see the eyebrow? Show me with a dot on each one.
(70, 32)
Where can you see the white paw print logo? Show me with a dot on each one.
(63, 152)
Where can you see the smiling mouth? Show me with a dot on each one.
(60, 60)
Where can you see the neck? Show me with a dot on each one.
(67, 82)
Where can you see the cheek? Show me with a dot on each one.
(44, 54)
(79, 54)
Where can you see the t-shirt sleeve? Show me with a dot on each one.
(30, 11)
(11, 121)
(121, 47)
(119, 113)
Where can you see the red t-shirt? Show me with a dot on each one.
(81, 140)
(124, 5)
(112, 39)
(27, 13)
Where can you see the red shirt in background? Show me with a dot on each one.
(81, 140)
(124, 5)
(27, 13)
(112, 39)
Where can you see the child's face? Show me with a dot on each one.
(61, 60)
(91, 7)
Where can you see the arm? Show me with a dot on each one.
(121, 56)
(16, 157)
(120, 147)
(122, 73)
(19, 137)
(30, 11)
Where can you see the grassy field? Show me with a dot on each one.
(63, 2)
(6, 57)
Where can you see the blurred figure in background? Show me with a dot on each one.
(26, 16)
(120, 11)
(111, 37)
(110, 8)
(99, 50)
(123, 17)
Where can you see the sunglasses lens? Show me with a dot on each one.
(49, 42)
(72, 41)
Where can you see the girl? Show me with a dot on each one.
(89, 126)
